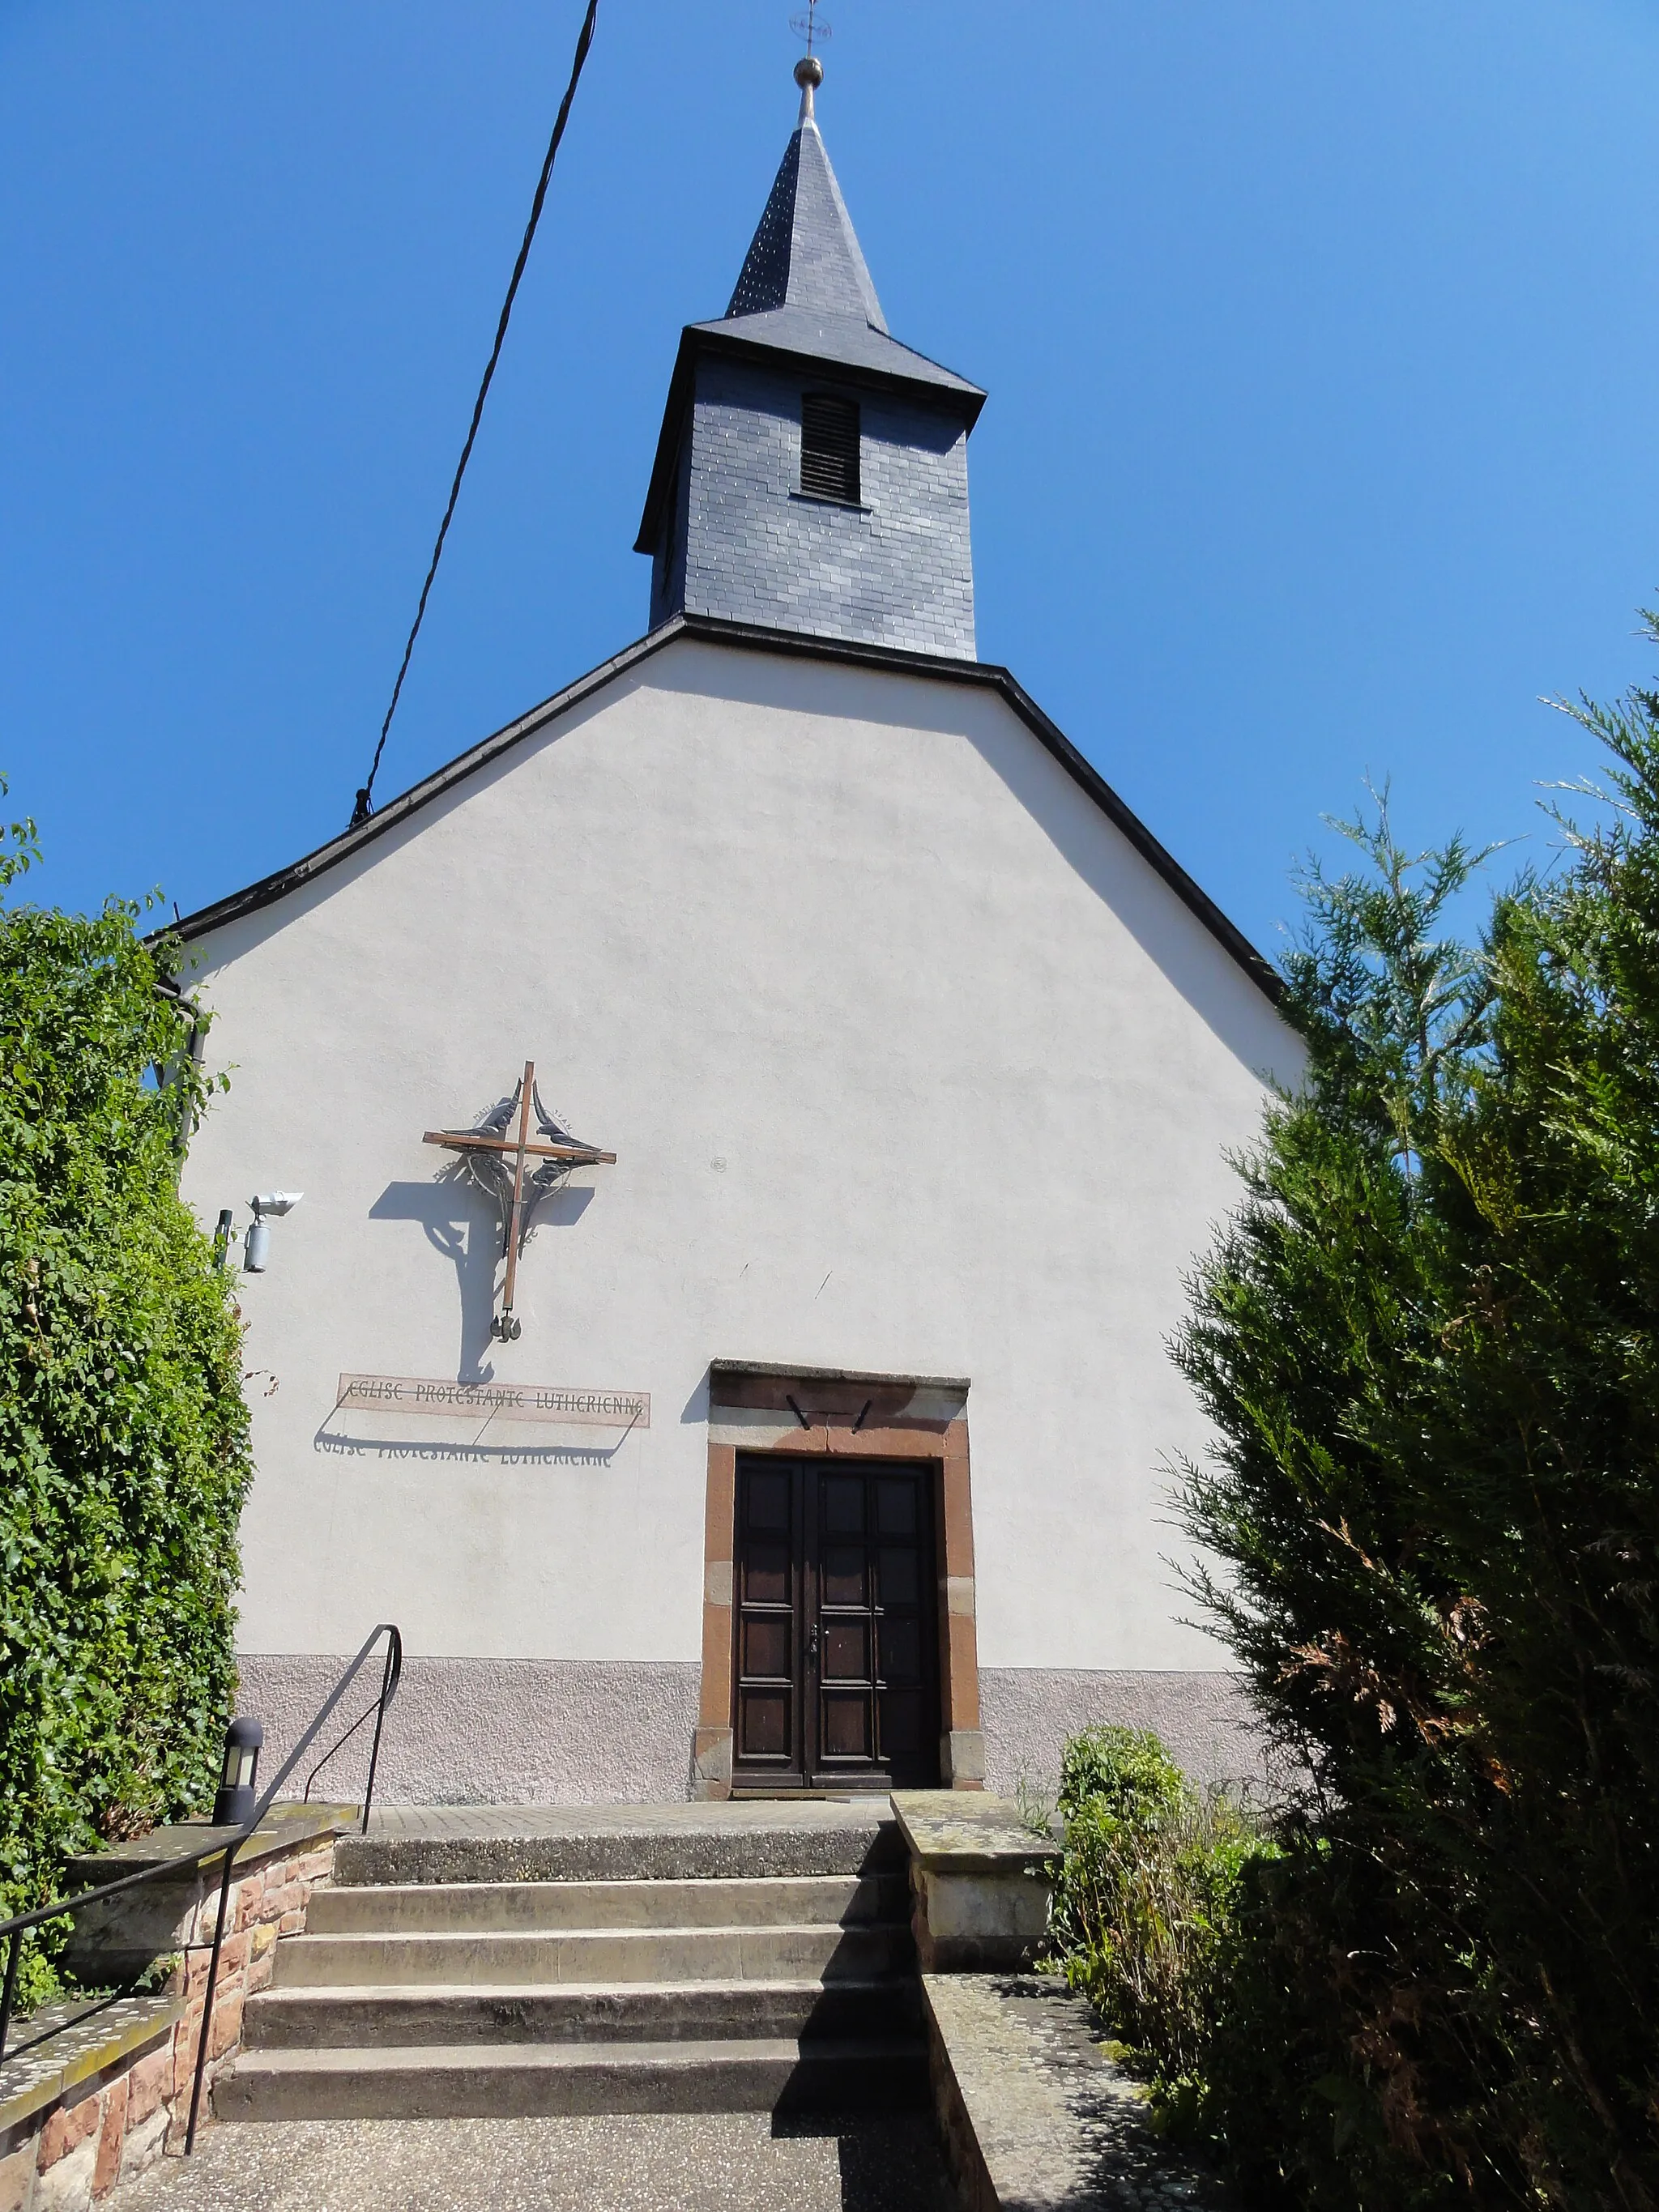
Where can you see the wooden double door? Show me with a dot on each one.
(837, 1674)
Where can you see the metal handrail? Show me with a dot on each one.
(376, 1712)
(13, 1930)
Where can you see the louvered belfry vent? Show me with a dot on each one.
(829, 447)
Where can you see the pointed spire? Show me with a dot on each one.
(806, 252)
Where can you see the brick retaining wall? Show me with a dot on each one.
(104, 2100)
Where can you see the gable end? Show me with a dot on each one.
(790, 644)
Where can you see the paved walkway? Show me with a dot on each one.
(668, 2162)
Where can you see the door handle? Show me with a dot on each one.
(812, 1645)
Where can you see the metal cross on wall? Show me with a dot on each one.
(495, 1154)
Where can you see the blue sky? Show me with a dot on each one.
(1320, 342)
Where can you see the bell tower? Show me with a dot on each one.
(812, 474)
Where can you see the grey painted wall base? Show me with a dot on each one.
(494, 1731)
(1028, 1711)
(573, 1732)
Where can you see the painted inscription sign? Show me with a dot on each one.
(499, 1401)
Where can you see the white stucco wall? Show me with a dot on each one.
(911, 1063)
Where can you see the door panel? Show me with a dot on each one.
(846, 1651)
(766, 1649)
(896, 1508)
(900, 1650)
(766, 1723)
(765, 1733)
(837, 1646)
(844, 1579)
(898, 1576)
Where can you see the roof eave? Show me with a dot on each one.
(737, 334)
(668, 444)
(396, 812)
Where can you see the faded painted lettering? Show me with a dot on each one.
(487, 1401)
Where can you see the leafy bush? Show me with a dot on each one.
(1143, 1901)
(123, 1456)
(1429, 1344)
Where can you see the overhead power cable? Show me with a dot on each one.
(365, 805)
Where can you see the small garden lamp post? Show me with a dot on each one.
(234, 1803)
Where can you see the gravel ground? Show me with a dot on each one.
(668, 2162)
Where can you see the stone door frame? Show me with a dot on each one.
(756, 1406)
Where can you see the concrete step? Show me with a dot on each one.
(538, 2080)
(655, 2012)
(533, 1959)
(779, 1900)
(620, 1843)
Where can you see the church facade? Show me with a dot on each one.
(753, 1115)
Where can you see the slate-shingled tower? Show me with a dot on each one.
(813, 473)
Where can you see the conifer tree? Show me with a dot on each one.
(1428, 1344)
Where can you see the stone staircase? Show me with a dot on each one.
(691, 1959)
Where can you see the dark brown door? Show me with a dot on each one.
(837, 1656)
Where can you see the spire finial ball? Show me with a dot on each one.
(809, 70)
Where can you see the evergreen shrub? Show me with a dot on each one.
(124, 1448)
(1428, 1345)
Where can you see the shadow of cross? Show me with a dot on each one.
(496, 1153)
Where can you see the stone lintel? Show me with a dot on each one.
(726, 1370)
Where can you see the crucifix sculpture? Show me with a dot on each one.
(495, 1154)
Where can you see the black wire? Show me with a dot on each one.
(365, 805)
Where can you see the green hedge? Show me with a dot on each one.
(123, 1453)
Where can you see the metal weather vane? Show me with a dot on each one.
(807, 25)
(495, 1154)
